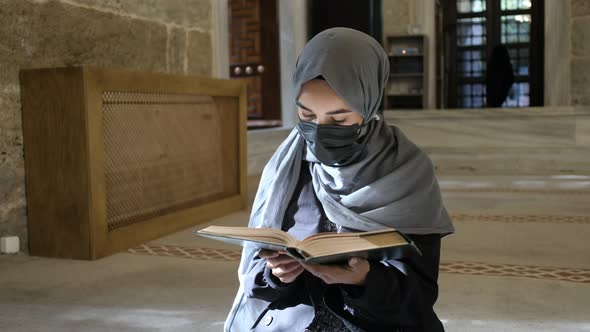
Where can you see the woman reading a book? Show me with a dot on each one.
(343, 169)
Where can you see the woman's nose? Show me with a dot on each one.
(322, 120)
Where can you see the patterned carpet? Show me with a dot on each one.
(545, 191)
(456, 267)
(523, 218)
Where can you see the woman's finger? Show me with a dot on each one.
(323, 269)
(284, 269)
(268, 253)
(356, 262)
(279, 260)
(289, 277)
(354, 272)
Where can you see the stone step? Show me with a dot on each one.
(510, 160)
(528, 243)
(550, 184)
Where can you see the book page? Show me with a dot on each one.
(264, 235)
(323, 236)
(336, 243)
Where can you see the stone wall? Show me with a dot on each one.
(396, 17)
(173, 36)
(557, 53)
(580, 61)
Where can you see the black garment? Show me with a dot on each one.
(499, 76)
(398, 295)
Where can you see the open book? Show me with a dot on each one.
(321, 248)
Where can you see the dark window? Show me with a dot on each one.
(472, 28)
(364, 15)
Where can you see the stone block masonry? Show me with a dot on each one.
(580, 48)
(170, 36)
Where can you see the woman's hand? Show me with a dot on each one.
(282, 266)
(353, 273)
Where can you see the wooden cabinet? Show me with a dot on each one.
(115, 158)
(407, 80)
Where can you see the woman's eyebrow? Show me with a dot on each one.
(339, 111)
(298, 103)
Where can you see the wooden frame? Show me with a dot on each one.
(493, 15)
(422, 76)
(255, 58)
(65, 158)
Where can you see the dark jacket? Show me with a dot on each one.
(398, 295)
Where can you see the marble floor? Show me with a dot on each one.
(519, 261)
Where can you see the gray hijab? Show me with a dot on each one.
(392, 185)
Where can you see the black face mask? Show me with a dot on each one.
(332, 145)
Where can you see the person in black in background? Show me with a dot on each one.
(499, 76)
(342, 169)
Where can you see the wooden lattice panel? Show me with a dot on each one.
(115, 157)
(246, 51)
(160, 154)
(254, 95)
(245, 31)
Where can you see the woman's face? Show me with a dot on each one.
(318, 103)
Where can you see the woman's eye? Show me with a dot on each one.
(339, 121)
